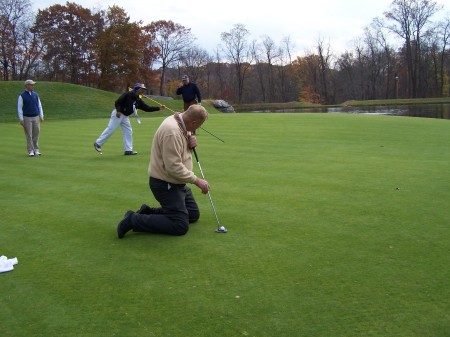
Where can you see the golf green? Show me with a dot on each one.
(338, 225)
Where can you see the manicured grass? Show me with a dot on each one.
(338, 226)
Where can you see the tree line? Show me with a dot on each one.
(104, 49)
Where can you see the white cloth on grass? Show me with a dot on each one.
(7, 264)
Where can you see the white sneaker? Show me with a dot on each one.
(37, 153)
(97, 148)
(31, 154)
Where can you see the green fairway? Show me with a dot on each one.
(338, 225)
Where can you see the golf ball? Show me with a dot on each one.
(222, 228)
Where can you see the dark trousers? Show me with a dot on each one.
(178, 209)
(187, 104)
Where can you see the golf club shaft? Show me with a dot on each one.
(136, 115)
(212, 135)
(209, 194)
(175, 112)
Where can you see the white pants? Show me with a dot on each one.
(127, 131)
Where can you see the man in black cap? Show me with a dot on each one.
(190, 93)
(125, 105)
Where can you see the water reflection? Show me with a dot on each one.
(441, 110)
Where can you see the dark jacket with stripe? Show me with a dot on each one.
(124, 104)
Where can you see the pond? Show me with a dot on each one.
(435, 110)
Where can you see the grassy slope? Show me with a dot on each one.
(321, 242)
(68, 101)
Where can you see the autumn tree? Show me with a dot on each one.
(149, 57)
(307, 69)
(120, 48)
(68, 32)
(172, 40)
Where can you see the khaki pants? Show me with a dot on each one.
(32, 127)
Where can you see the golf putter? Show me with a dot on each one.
(220, 229)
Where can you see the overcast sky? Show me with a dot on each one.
(333, 21)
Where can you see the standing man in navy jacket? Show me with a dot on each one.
(190, 93)
(29, 111)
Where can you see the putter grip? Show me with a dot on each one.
(195, 153)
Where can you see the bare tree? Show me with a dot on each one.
(285, 73)
(172, 41)
(346, 66)
(260, 69)
(388, 67)
(324, 55)
(238, 52)
(444, 32)
(410, 19)
(271, 54)
(15, 22)
(221, 91)
(193, 61)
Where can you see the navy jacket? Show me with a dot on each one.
(30, 104)
(189, 92)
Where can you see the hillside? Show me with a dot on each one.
(69, 101)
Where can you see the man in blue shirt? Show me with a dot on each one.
(29, 111)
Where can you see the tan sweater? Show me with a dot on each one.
(170, 157)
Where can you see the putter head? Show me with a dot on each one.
(221, 229)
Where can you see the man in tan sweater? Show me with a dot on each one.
(170, 170)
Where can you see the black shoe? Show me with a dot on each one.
(97, 147)
(145, 209)
(130, 153)
(124, 226)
